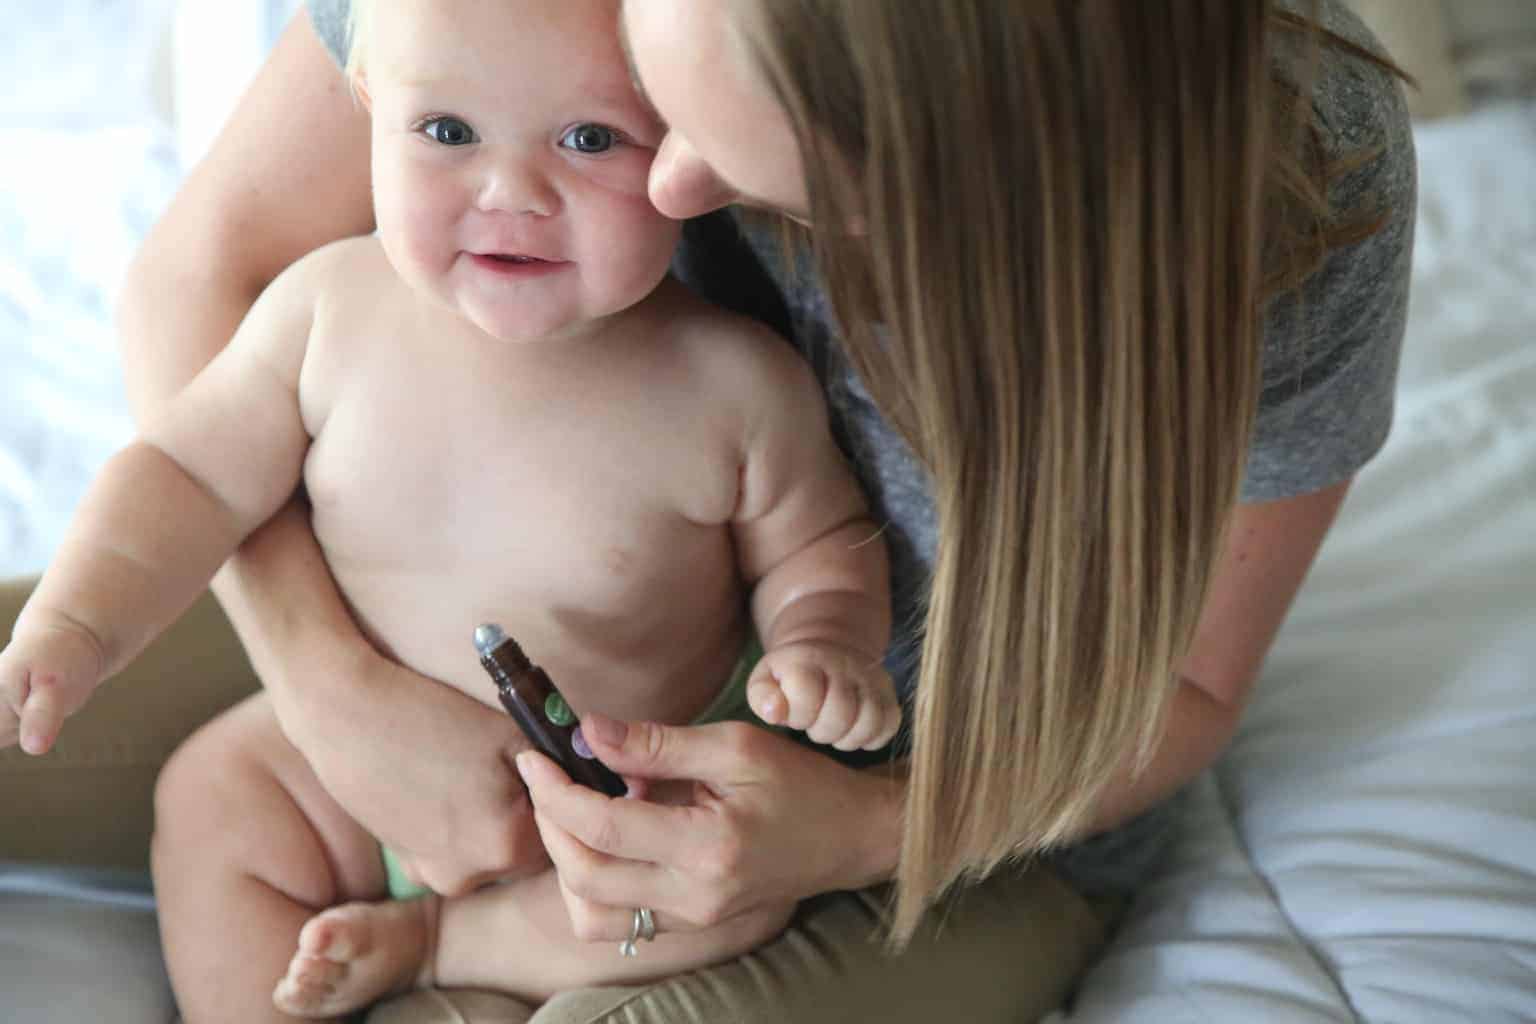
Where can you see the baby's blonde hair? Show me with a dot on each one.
(359, 35)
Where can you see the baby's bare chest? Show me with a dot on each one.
(585, 487)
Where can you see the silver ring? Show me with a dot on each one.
(647, 923)
(642, 928)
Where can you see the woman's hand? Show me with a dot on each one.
(424, 768)
(428, 771)
(762, 822)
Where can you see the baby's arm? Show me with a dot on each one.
(821, 597)
(161, 517)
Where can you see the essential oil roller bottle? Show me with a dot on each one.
(540, 711)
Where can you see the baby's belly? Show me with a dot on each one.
(643, 620)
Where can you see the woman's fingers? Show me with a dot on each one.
(716, 755)
(636, 830)
(768, 823)
(601, 892)
(599, 922)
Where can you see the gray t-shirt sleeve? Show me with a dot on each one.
(330, 20)
(1331, 347)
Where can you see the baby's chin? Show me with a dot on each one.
(526, 327)
(584, 321)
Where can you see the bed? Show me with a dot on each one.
(1366, 850)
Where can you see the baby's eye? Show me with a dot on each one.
(449, 131)
(590, 138)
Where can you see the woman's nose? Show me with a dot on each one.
(682, 185)
(518, 187)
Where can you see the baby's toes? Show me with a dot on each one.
(839, 711)
(322, 971)
(805, 690)
(339, 934)
(350, 956)
(309, 986)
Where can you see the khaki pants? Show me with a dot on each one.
(1009, 950)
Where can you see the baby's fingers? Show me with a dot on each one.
(28, 714)
(838, 712)
(765, 697)
(44, 679)
(42, 715)
(14, 691)
(879, 717)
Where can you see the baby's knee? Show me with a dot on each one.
(207, 783)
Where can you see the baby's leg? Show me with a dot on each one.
(247, 847)
(513, 938)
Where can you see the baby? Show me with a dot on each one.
(502, 412)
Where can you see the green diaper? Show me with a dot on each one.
(400, 886)
(729, 705)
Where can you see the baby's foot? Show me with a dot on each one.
(838, 697)
(351, 956)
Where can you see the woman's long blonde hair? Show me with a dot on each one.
(1070, 213)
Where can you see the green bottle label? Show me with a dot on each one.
(558, 711)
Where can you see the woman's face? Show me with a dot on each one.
(727, 140)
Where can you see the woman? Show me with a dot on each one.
(1118, 321)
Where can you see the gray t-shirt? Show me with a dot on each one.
(1329, 366)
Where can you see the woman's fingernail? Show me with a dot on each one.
(522, 761)
(607, 731)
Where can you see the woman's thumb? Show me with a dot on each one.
(648, 750)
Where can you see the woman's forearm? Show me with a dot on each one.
(177, 312)
(1270, 546)
(881, 797)
(288, 173)
(1199, 728)
(284, 604)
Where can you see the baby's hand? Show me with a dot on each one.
(46, 674)
(837, 696)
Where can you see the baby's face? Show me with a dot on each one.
(510, 157)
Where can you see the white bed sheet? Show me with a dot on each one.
(1367, 850)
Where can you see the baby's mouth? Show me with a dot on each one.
(517, 263)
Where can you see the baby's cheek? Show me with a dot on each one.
(623, 174)
(417, 218)
(635, 244)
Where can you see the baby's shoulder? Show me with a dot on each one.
(351, 285)
(737, 357)
(344, 266)
(330, 273)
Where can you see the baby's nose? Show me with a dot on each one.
(519, 187)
